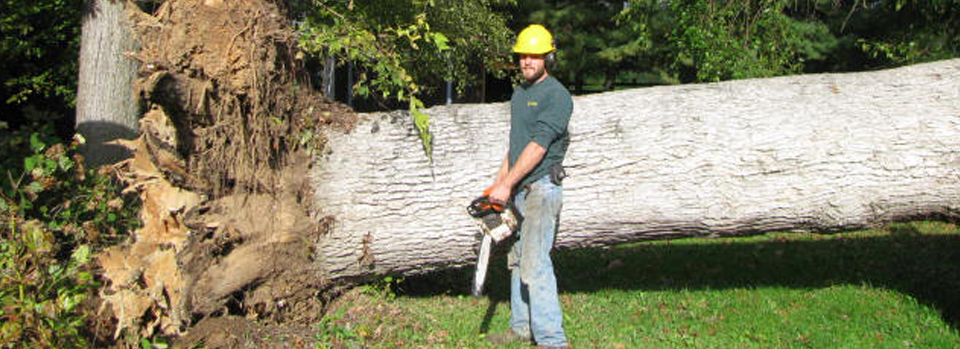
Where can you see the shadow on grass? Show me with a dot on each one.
(924, 266)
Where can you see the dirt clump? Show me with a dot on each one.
(237, 332)
(229, 129)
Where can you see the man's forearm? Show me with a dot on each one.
(508, 177)
(504, 168)
(529, 158)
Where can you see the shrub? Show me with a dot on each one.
(54, 214)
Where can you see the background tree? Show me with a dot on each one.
(479, 44)
(894, 32)
(404, 52)
(106, 108)
(39, 42)
(717, 40)
(706, 40)
(413, 47)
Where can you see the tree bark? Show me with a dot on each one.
(803, 153)
(106, 107)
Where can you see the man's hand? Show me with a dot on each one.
(499, 194)
(508, 177)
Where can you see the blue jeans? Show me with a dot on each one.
(534, 303)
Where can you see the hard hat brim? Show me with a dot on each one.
(532, 51)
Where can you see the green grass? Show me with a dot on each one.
(896, 287)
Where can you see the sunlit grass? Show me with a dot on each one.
(894, 287)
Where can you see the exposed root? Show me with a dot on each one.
(218, 167)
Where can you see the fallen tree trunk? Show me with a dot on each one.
(804, 153)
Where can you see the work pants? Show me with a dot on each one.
(534, 303)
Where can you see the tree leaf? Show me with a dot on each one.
(422, 123)
(35, 187)
(36, 144)
(65, 163)
(81, 255)
(441, 41)
(29, 163)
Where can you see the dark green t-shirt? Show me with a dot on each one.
(540, 113)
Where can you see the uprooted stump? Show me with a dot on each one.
(227, 135)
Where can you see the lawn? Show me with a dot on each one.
(893, 287)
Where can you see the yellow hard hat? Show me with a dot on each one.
(534, 39)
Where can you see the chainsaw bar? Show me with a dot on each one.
(482, 260)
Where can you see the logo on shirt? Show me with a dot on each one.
(531, 103)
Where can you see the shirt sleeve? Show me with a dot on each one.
(552, 121)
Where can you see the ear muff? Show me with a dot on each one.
(551, 58)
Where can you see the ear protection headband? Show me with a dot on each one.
(551, 58)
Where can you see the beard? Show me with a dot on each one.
(534, 76)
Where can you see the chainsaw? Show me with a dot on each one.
(497, 222)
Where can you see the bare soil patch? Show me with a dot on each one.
(242, 333)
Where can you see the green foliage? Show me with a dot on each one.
(730, 40)
(37, 38)
(39, 47)
(332, 333)
(40, 292)
(54, 213)
(704, 40)
(403, 47)
(153, 343)
(479, 43)
(45, 180)
(352, 39)
(679, 41)
(900, 32)
(385, 287)
(422, 122)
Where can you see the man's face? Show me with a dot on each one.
(533, 67)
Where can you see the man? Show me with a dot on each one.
(531, 172)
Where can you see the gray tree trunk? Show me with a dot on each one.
(803, 153)
(327, 79)
(106, 107)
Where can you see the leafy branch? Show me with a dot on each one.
(380, 50)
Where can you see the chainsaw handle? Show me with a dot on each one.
(482, 206)
(497, 206)
(486, 194)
